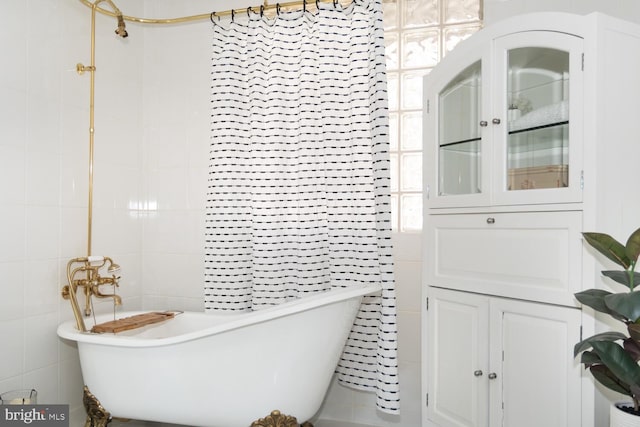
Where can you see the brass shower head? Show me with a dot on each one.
(113, 267)
(121, 30)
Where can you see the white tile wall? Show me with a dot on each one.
(43, 181)
(151, 158)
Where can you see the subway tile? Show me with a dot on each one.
(12, 230)
(73, 232)
(41, 286)
(74, 176)
(12, 177)
(12, 336)
(13, 74)
(42, 237)
(40, 341)
(13, 115)
(43, 125)
(168, 187)
(12, 285)
(42, 178)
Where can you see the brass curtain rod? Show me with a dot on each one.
(262, 8)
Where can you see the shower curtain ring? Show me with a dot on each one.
(278, 9)
(249, 12)
(304, 5)
(261, 10)
(233, 15)
(335, 3)
(211, 17)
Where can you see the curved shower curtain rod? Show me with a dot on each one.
(264, 7)
(94, 5)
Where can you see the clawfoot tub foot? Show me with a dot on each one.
(97, 416)
(276, 419)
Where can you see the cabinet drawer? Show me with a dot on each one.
(531, 255)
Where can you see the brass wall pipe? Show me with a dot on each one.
(265, 7)
(70, 292)
(92, 71)
(81, 69)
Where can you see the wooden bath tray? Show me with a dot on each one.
(132, 322)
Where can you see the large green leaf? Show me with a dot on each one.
(594, 298)
(623, 277)
(589, 359)
(609, 247)
(633, 245)
(605, 377)
(603, 336)
(626, 304)
(619, 362)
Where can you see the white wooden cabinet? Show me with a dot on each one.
(497, 361)
(531, 137)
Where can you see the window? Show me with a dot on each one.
(418, 33)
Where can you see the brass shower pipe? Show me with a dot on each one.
(81, 69)
(264, 7)
(90, 265)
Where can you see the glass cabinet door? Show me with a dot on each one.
(507, 124)
(459, 140)
(537, 118)
(538, 108)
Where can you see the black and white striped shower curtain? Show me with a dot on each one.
(298, 192)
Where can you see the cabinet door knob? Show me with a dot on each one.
(491, 220)
(484, 123)
(496, 121)
(477, 373)
(493, 376)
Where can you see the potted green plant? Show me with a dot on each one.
(612, 357)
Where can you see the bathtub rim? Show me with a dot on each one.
(68, 330)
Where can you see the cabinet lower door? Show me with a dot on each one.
(501, 362)
(457, 359)
(537, 381)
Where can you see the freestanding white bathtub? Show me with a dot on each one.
(221, 370)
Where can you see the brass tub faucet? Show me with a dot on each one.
(85, 272)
